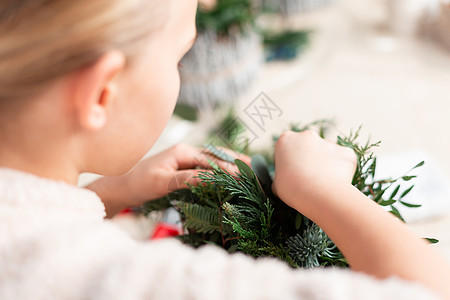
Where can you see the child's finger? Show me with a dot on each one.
(187, 157)
(180, 179)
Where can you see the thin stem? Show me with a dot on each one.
(233, 238)
(220, 220)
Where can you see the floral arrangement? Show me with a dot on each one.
(240, 213)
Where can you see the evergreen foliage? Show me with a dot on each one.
(285, 45)
(227, 16)
(308, 248)
(239, 212)
(364, 178)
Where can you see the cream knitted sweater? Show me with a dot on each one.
(55, 244)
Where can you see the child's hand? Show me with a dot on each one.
(307, 167)
(314, 177)
(169, 170)
(157, 176)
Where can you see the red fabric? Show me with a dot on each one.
(126, 211)
(164, 230)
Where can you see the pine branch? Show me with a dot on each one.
(245, 185)
(201, 218)
(309, 248)
(156, 205)
(239, 212)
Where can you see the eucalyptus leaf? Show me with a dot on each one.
(260, 167)
(244, 168)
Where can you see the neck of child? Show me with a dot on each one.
(36, 140)
(38, 164)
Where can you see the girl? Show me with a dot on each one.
(88, 86)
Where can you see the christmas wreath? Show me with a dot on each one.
(241, 213)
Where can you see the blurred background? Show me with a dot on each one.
(259, 66)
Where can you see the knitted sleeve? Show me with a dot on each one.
(54, 244)
(104, 263)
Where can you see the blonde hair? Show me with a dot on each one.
(41, 40)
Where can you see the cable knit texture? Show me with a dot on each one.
(55, 244)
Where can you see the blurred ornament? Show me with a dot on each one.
(169, 226)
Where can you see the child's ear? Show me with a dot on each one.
(95, 88)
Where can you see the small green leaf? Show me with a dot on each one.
(379, 196)
(432, 241)
(394, 193)
(419, 164)
(322, 132)
(373, 167)
(298, 221)
(387, 202)
(233, 248)
(410, 205)
(259, 165)
(396, 213)
(408, 178)
(406, 192)
(186, 112)
(244, 168)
